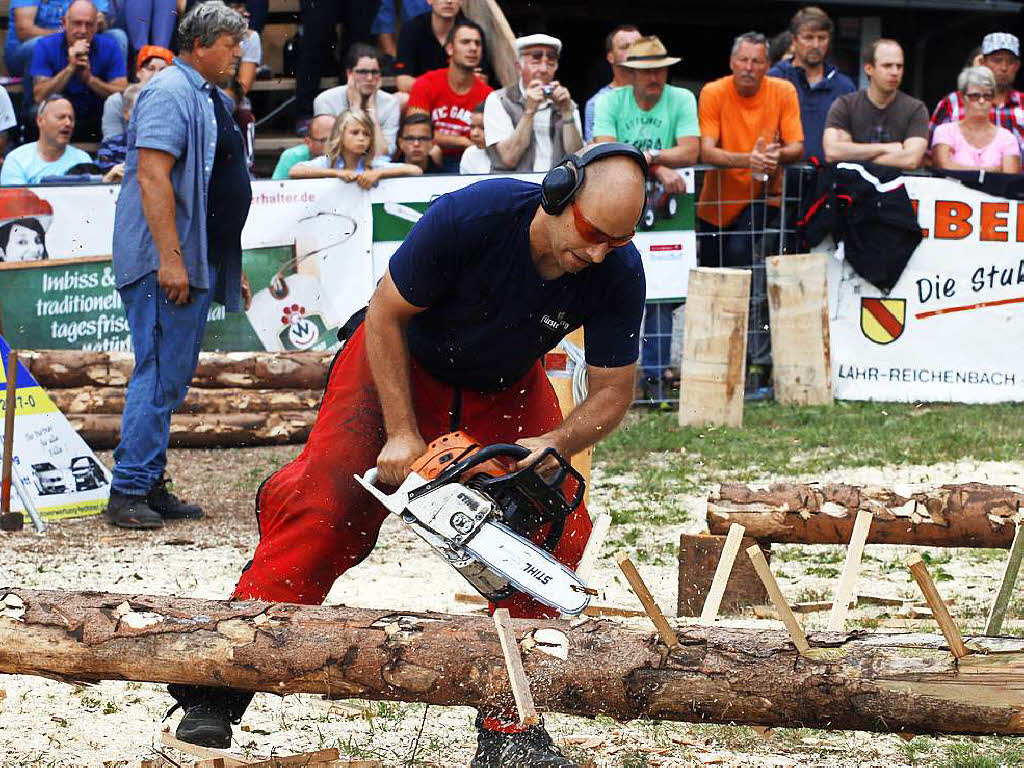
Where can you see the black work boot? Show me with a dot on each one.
(126, 511)
(170, 506)
(209, 713)
(531, 748)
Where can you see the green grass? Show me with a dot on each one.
(778, 439)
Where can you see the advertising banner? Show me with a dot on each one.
(312, 249)
(944, 331)
(52, 467)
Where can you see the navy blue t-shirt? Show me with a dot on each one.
(490, 316)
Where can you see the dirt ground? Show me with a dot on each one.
(49, 723)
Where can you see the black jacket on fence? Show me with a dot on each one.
(864, 206)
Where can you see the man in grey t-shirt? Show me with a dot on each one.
(362, 91)
(880, 124)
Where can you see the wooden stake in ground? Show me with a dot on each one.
(514, 663)
(949, 629)
(851, 570)
(722, 573)
(997, 613)
(668, 635)
(9, 521)
(796, 634)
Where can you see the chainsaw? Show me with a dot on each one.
(470, 504)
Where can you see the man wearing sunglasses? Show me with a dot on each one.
(483, 286)
(531, 125)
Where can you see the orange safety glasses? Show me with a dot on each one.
(592, 234)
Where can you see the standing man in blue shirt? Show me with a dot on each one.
(818, 83)
(177, 246)
(80, 64)
(489, 280)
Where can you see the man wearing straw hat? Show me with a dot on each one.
(658, 119)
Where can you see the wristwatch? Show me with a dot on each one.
(653, 153)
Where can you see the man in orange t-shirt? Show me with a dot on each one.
(750, 126)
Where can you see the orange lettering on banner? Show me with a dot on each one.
(913, 204)
(952, 220)
(994, 222)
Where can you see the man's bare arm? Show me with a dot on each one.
(44, 87)
(609, 395)
(712, 154)
(686, 152)
(510, 150)
(158, 208)
(104, 89)
(25, 23)
(388, 353)
(839, 146)
(908, 157)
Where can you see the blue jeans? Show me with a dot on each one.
(166, 339)
(656, 349)
(150, 22)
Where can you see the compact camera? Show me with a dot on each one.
(547, 90)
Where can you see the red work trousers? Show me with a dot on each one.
(316, 522)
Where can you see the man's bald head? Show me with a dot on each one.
(80, 21)
(612, 194)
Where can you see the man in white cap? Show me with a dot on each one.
(533, 124)
(1000, 52)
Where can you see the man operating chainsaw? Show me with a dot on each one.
(488, 281)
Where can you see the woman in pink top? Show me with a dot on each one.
(975, 142)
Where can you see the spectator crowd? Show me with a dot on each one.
(783, 102)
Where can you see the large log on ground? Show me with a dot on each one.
(83, 400)
(967, 515)
(205, 430)
(864, 681)
(255, 370)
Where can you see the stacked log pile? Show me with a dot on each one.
(236, 398)
(962, 515)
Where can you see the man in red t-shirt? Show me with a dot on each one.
(449, 95)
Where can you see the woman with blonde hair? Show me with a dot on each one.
(351, 155)
(975, 143)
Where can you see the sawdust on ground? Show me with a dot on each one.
(43, 722)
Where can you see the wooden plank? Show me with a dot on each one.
(851, 570)
(514, 664)
(501, 42)
(796, 634)
(798, 310)
(668, 635)
(947, 626)
(9, 521)
(997, 612)
(204, 753)
(714, 347)
(729, 551)
(306, 758)
(595, 610)
(597, 536)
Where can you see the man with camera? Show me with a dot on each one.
(530, 126)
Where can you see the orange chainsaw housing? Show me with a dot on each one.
(454, 447)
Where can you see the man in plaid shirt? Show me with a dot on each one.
(1001, 53)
